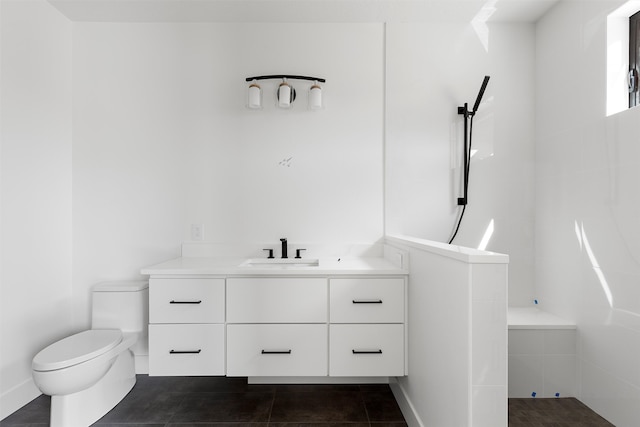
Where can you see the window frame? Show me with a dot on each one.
(634, 57)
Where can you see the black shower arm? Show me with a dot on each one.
(465, 176)
(464, 111)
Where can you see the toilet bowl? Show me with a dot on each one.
(88, 373)
(77, 362)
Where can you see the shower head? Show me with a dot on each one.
(479, 98)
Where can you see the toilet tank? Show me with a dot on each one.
(121, 305)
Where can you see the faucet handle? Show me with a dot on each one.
(270, 253)
(298, 252)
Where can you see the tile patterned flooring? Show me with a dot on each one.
(564, 412)
(221, 402)
(231, 402)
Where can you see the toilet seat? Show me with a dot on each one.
(76, 349)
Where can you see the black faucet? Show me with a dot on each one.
(270, 253)
(284, 248)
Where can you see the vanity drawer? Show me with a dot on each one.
(277, 350)
(185, 350)
(366, 350)
(186, 301)
(367, 300)
(276, 300)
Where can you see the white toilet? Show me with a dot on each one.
(88, 373)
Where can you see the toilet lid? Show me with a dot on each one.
(76, 349)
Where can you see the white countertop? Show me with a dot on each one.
(232, 267)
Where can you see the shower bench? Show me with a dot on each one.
(542, 354)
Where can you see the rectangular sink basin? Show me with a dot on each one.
(280, 263)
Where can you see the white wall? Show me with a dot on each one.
(162, 140)
(587, 230)
(432, 68)
(35, 269)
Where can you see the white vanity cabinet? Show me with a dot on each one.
(271, 325)
(186, 326)
(367, 331)
(277, 326)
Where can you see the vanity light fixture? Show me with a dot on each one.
(285, 93)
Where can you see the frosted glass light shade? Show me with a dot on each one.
(315, 97)
(286, 95)
(254, 97)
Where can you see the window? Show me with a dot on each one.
(623, 57)
(634, 60)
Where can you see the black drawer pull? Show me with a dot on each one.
(367, 351)
(185, 302)
(185, 351)
(276, 351)
(367, 301)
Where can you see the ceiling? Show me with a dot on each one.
(302, 10)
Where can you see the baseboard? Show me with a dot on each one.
(17, 397)
(318, 380)
(406, 407)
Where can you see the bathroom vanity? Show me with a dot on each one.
(266, 319)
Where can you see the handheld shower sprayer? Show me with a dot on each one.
(485, 82)
(468, 131)
(465, 110)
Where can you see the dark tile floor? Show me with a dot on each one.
(564, 412)
(231, 402)
(220, 402)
